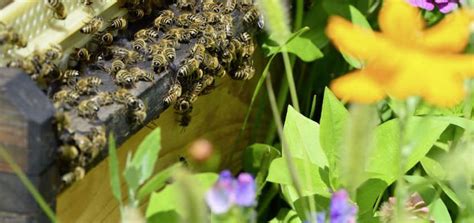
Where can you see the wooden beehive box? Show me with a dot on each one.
(28, 133)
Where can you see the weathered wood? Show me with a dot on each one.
(26, 129)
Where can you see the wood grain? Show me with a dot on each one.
(217, 117)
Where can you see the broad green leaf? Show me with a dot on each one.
(307, 172)
(169, 199)
(439, 212)
(286, 216)
(320, 203)
(132, 176)
(385, 159)
(333, 123)
(433, 168)
(257, 160)
(302, 135)
(165, 216)
(146, 155)
(157, 182)
(450, 193)
(114, 170)
(304, 49)
(367, 195)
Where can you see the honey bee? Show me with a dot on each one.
(208, 42)
(159, 62)
(186, 4)
(183, 105)
(117, 65)
(169, 53)
(198, 51)
(139, 45)
(63, 122)
(183, 20)
(151, 34)
(164, 20)
(122, 96)
(93, 25)
(129, 56)
(77, 174)
(125, 78)
(210, 5)
(88, 85)
(211, 62)
(53, 53)
(184, 120)
(180, 34)
(247, 50)
(104, 98)
(140, 34)
(246, 3)
(188, 68)
(99, 137)
(8, 36)
(251, 16)
(69, 76)
(140, 74)
(229, 6)
(65, 97)
(212, 17)
(228, 29)
(118, 23)
(59, 11)
(245, 37)
(50, 71)
(136, 13)
(245, 72)
(82, 54)
(87, 108)
(68, 152)
(139, 116)
(107, 38)
(173, 93)
(221, 72)
(169, 43)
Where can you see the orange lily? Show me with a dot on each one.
(405, 58)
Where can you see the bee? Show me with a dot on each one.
(186, 4)
(169, 53)
(211, 62)
(159, 62)
(229, 6)
(65, 97)
(183, 20)
(164, 20)
(180, 34)
(129, 56)
(122, 96)
(58, 9)
(212, 17)
(125, 78)
(169, 43)
(104, 98)
(140, 74)
(117, 65)
(136, 13)
(107, 38)
(87, 108)
(118, 23)
(188, 68)
(87, 2)
(198, 51)
(246, 3)
(63, 122)
(183, 105)
(93, 25)
(151, 34)
(184, 120)
(139, 45)
(69, 76)
(53, 53)
(9, 36)
(88, 85)
(221, 72)
(211, 6)
(99, 137)
(245, 37)
(208, 42)
(50, 71)
(77, 174)
(173, 93)
(82, 54)
(199, 86)
(251, 16)
(229, 29)
(245, 72)
(68, 152)
(247, 50)
(139, 116)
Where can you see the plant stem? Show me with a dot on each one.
(291, 80)
(29, 186)
(299, 14)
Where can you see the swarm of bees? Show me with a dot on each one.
(192, 43)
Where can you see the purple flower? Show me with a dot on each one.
(342, 211)
(444, 6)
(228, 191)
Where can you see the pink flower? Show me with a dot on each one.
(444, 6)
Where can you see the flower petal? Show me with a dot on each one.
(400, 21)
(245, 191)
(450, 35)
(357, 87)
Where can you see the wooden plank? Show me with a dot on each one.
(217, 117)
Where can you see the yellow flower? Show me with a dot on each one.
(405, 58)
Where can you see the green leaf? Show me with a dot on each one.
(302, 134)
(439, 212)
(433, 168)
(165, 216)
(385, 160)
(273, 48)
(170, 199)
(304, 49)
(157, 182)
(286, 216)
(308, 173)
(146, 155)
(257, 160)
(367, 195)
(333, 122)
(132, 176)
(316, 18)
(114, 170)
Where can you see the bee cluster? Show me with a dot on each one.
(191, 43)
